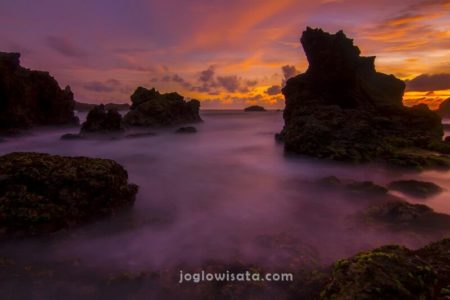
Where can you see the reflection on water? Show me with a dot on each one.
(211, 195)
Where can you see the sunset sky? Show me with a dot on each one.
(226, 53)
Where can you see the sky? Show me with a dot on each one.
(226, 53)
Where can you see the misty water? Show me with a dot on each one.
(212, 196)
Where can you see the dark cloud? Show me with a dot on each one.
(229, 83)
(207, 75)
(429, 82)
(64, 47)
(273, 90)
(288, 72)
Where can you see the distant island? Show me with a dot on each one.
(255, 108)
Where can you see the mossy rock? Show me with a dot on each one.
(42, 193)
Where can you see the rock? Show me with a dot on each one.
(71, 136)
(151, 108)
(444, 109)
(392, 272)
(352, 186)
(31, 98)
(79, 106)
(415, 188)
(401, 215)
(99, 120)
(342, 109)
(189, 129)
(140, 134)
(255, 108)
(44, 193)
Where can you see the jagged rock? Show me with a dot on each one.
(42, 193)
(255, 108)
(444, 109)
(79, 106)
(100, 120)
(342, 109)
(415, 188)
(392, 272)
(151, 108)
(188, 129)
(31, 98)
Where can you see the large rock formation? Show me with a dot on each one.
(151, 108)
(30, 98)
(341, 108)
(444, 109)
(100, 120)
(41, 193)
(80, 106)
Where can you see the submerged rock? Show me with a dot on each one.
(352, 186)
(31, 98)
(401, 215)
(188, 129)
(71, 136)
(255, 108)
(342, 109)
(415, 188)
(151, 108)
(392, 272)
(140, 134)
(100, 120)
(42, 193)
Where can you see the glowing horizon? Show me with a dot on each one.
(228, 54)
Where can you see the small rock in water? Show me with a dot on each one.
(415, 188)
(189, 129)
(140, 135)
(71, 136)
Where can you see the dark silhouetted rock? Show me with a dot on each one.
(79, 106)
(42, 193)
(189, 129)
(100, 120)
(415, 188)
(31, 98)
(255, 108)
(140, 135)
(392, 272)
(444, 109)
(71, 136)
(151, 108)
(342, 109)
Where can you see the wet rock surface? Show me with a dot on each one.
(392, 272)
(42, 193)
(151, 108)
(341, 108)
(31, 98)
